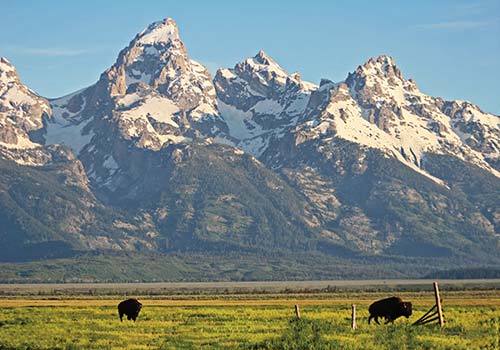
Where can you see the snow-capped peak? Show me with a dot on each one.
(378, 108)
(379, 81)
(381, 68)
(157, 59)
(156, 93)
(7, 71)
(5, 65)
(259, 101)
(385, 59)
(21, 112)
(161, 32)
(262, 58)
(265, 67)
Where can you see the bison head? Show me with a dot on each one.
(406, 309)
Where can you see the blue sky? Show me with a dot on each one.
(450, 47)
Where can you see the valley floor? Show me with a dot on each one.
(246, 321)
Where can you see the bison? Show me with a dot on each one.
(390, 309)
(129, 307)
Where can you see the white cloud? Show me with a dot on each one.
(455, 25)
(46, 51)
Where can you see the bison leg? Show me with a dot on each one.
(369, 319)
(121, 316)
(376, 320)
(389, 319)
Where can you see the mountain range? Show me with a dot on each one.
(163, 171)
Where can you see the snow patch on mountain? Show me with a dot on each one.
(159, 32)
(240, 123)
(155, 95)
(259, 100)
(156, 107)
(110, 164)
(61, 109)
(62, 132)
(21, 112)
(400, 117)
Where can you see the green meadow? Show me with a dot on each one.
(239, 322)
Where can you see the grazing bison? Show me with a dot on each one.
(390, 309)
(129, 307)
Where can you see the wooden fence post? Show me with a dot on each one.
(438, 304)
(353, 317)
(297, 311)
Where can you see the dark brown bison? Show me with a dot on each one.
(129, 307)
(390, 309)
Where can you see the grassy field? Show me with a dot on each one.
(246, 322)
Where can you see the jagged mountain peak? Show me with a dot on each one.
(161, 32)
(264, 68)
(259, 100)
(263, 76)
(153, 96)
(5, 64)
(385, 59)
(157, 60)
(380, 61)
(380, 81)
(263, 58)
(383, 67)
(156, 57)
(8, 72)
(21, 114)
(331, 149)
(377, 107)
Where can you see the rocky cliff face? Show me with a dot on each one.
(376, 107)
(152, 97)
(260, 101)
(22, 114)
(419, 123)
(165, 158)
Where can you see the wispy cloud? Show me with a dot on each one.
(469, 9)
(456, 25)
(45, 51)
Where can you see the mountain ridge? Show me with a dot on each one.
(253, 160)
